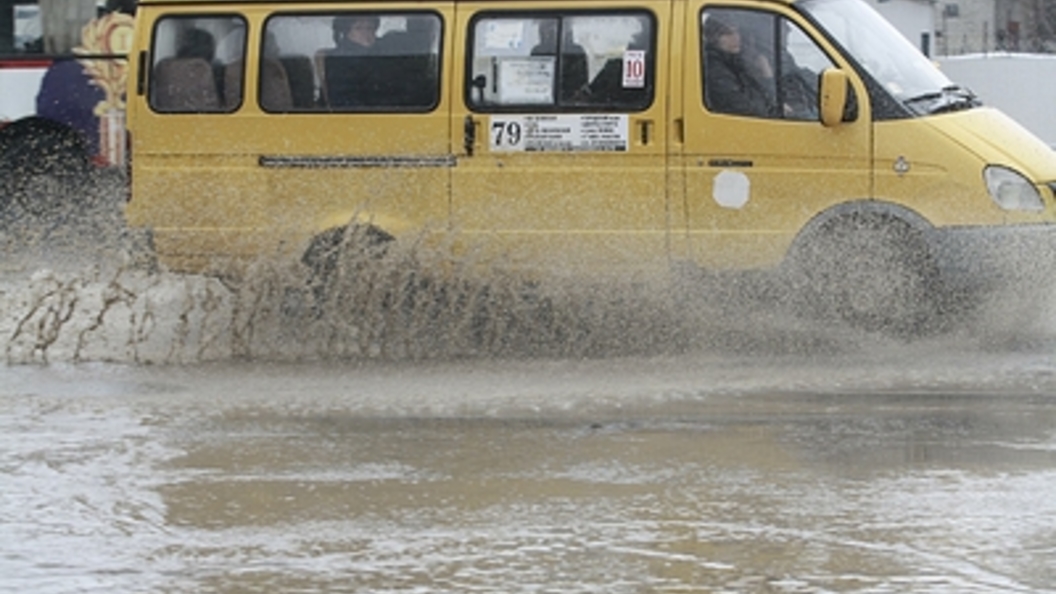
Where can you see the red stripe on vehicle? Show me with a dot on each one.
(41, 63)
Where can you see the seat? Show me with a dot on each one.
(274, 86)
(301, 79)
(410, 81)
(233, 84)
(184, 85)
(357, 82)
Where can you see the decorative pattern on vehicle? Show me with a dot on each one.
(108, 35)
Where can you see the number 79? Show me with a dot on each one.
(508, 132)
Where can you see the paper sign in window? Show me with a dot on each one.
(527, 80)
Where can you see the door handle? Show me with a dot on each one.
(469, 135)
(141, 74)
(645, 129)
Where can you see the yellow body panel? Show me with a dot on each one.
(721, 191)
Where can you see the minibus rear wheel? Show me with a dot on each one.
(874, 272)
(337, 253)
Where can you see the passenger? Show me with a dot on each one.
(731, 85)
(355, 34)
(354, 78)
(573, 58)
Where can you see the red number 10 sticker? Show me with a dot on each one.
(633, 69)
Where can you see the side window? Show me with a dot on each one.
(351, 62)
(193, 59)
(586, 62)
(759, 64)
(799, 66)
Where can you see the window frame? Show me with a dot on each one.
(557, 107)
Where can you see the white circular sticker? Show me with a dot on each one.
(730, 189)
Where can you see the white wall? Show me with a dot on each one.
(1021, 85)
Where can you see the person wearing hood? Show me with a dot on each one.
(731, 85)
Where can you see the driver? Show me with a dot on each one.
(731, 85)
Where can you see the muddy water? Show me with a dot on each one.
(692, 473)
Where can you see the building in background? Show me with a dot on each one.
(956, 27)
(980, 26)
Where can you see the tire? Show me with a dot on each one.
(873, 272)
(44, 168)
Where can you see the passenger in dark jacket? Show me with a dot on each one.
(353, 75)
(729, 85)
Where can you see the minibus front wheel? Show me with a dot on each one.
(873, 271)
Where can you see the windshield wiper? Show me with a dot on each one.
(929, 96)
(955, 98)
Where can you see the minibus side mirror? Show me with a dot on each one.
(833, 96)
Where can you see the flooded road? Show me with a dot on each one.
(175, 434)
(902, 470)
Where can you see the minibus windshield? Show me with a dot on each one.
(889, 57)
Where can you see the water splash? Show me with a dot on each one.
(73, 289)
(403, 304)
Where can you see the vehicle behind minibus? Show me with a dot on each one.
(63, 68)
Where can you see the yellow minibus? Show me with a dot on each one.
(584, 137)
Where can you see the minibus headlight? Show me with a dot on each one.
(1011, 191)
